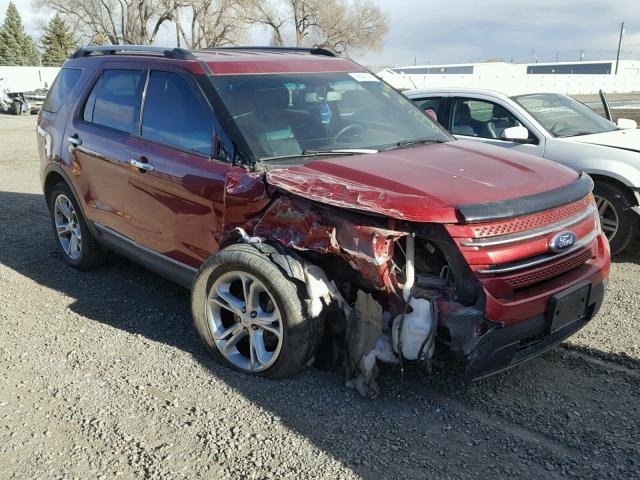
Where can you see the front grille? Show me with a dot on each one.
(517, 251)
(532, 221)
(537, 275)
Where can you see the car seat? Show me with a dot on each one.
(462, 120)
(501, 119)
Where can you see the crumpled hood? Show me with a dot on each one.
(422, 184)
(627, 139)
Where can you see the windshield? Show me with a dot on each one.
(563, 116)
(298, 114)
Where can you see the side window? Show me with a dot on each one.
(115, 100)
(430, 106)
(480, 118)
(176, 113)
(62, 86)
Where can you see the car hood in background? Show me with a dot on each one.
(627, 139)
(423, 184)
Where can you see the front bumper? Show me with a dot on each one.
(505, 347)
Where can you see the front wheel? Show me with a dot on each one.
(619, 222)
(251, 316)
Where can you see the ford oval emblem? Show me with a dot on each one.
(562, 241)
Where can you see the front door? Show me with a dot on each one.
(485, 121)
(175, 184)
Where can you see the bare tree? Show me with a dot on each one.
(345, 26)
(213, 23)
(198, 23)
(119, 21)
(350, 29)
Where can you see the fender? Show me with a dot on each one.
(623, 173)
(56, 168)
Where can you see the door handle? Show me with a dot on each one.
(75, 141)
(147, 167)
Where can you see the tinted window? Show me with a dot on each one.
(115, 100)
(64, 83)
(176, 113)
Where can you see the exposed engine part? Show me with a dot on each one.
(409, 267)
(417, 328)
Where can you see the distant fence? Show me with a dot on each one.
(21, 79)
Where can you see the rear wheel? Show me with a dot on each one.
(78, 247)
(619, 222)
(251, 315)
(17, 107)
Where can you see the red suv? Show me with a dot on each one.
(289, 188)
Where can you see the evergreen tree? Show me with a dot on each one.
(57, 41)
(16, 47)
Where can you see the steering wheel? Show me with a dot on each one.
(348, 131)
(559, 126)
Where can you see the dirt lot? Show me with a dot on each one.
(101, 375)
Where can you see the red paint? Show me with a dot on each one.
(422, 184)
(189, 206)
(239, 63)
(534, 300)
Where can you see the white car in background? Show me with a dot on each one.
(558, 128)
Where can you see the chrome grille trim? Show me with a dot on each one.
(540, 260)
(529, 234)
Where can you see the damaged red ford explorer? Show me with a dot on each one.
(308, 205)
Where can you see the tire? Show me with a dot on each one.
(17, 107)
(283, 298)
(614, 205)
(87, 253)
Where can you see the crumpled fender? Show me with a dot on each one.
(304, 226)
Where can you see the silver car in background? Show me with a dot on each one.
(556, 127)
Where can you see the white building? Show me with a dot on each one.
(561, 77)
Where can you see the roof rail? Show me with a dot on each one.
(178, 53)
(311, 51)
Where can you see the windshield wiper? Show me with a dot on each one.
(317, 153)
(577, 134)
(416, 141)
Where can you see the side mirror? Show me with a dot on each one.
(515, 134)
(627, 124)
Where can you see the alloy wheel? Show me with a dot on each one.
(244, 321)
(609, 219)
(67, 227)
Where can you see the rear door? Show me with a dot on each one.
(175, 179)
(99, 141)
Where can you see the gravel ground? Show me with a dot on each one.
(102, 375)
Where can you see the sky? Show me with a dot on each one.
(461, 31)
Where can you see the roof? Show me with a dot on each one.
(232, 60)
(463, 90)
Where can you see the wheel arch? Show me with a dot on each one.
(598, 177)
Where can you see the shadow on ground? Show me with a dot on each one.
(441, 426)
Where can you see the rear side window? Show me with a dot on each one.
(115, 100)
(62, 86)
(175, 113)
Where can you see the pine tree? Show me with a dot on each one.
(57, 41)
(16, 47)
